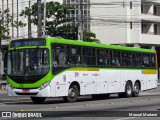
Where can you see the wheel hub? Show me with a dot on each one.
(136, 89)
(71, 93)
(129, 91)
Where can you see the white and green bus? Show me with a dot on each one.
(54, 67)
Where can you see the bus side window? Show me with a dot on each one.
(138, 60)
(89, 55)
(153, 61)
(54, 57)
(108, 56)
(145, 59)
(101, 54)
(116, 58)
(74, 55)
(59, 56)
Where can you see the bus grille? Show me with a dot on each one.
(26, 79)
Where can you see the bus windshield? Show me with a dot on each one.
(28, 62)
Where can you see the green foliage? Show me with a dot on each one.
(6, 20)
(90, 37)
(55, 19)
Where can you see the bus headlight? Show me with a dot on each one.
(44, 85)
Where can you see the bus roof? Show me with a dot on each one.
(98, 45)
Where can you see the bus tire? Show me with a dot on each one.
(38, 100)
(136, 90)
(128, 90)
(72, 94)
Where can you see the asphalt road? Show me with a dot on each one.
(113, 108)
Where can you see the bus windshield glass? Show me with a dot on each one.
(28, 62)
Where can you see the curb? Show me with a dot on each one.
(15, 100)
(3, 92)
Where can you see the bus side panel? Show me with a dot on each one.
(102, 81)
(58, 85)
(113, 78)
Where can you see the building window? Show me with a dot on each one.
(131, 25)
(130, 5)
(155, 29)
(155, 10)
(141, 8)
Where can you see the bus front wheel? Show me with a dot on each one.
(72, 94)
(38, 100)
(128, 90)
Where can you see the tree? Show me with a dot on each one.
(90, 37)
(55, 19)
(6, 20)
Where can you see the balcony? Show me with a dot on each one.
(153, 1)
(150, 17)
(150, 39)
(150, 11)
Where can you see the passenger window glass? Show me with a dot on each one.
(153, 61)
(115, 58)
(89, 57)
(145, 59)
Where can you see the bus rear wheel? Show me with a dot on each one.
(38, 100)
(136, 90)
(72, 94)
(128, 91)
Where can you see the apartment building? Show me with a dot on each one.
(133, 23)
(85, 16)
(126, 22)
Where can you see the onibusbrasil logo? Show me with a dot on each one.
(21, 114)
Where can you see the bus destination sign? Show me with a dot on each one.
(28, 42)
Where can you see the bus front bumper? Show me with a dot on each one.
(46, 92)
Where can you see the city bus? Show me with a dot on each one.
(56, 67)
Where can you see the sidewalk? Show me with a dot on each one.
(3, 92)
(5, 98)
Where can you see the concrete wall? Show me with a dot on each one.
(111, 22)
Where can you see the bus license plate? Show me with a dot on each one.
(25, 91)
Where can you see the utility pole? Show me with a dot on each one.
(80, 20)
(44, 19)
(2, 24)
(29, 22)
(17, 21)
(39, 27)
(7, 20)
(12, 19)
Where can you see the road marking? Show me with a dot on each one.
(20, 110)
(86, 105)
(109, 102)
(125, 118)
(56, 107)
